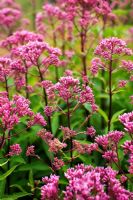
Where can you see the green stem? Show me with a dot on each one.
(110, 95)
(69, 126)
(45, 97)
(8, 145)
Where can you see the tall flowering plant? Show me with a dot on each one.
(52, 144)
(109, 50)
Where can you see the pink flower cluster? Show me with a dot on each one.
(20, 38)
(87, 182)
(53, 11)
(45, 135)
(9, 3)
(31, 151)
(12, 111)
(67, 88)
(95, 65)
(9, 17)
(31, 53)
(57, 164)
(37, 119)
(50, 189)
(67, 133)
(5, 68)
(112, 46)
(54, 143)
(48, 110)
(127, 120)
(127, 65)
(128, 149)
(112, 137)
(15, 149)
(91, 131)
(84, 148)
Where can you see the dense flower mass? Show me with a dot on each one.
(9, 17)
(112, 46)
(86, 182)
(50, 189)
(33, 50)
(20, 38)
(5, 68)
(15, 149)
(66, 119)
(12, 111)
(127, 121)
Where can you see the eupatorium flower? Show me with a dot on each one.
(127, 120)
(67, 133)
(115, 136)
(50, 189)
(5, 68)
(15, 149)
(91, 131)
(122, 83)
(127, 65)
(12, 111)
(86, 182)
(20, 38)
(110, 156)
(45, 135)
(41, 28)
(67, 88)
(30, 151)
(9, 17)
(55, 145)
(57, 164)
(48, 110)
(37, 119)
(95, 65)
(112, 46)
(86, 96)
(102, 141)
(32, 52)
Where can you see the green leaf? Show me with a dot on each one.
(130, 186)
(18, 159)
(2, 188)
(87, 106)
(16, 196)
(55, 123)
(18, 186)
(63, 182)
(4, 163)
(31, 179)
(103, 114)
(3, 176)
(116, 115)
(102, 96)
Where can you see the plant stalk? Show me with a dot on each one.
(69, 126)
(110, 95)
(45, 97)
